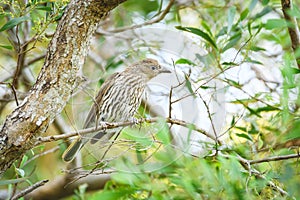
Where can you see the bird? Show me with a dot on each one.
(118, 100)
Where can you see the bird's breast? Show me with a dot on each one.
(123, 99)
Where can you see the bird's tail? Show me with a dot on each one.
(72, 150)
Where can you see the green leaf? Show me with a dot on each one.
(232, 123)
(230, 17)
(265, 11)
(111, 194)
(113, 64)
(248, 59)
(44, 8)
(12, 181)
(241, 128)
(289, 72)
(234, 83)
(185, 61)
(206, 26)
(222, 31)
(275, 23)
(163, 132)
(207, 87)
(252, 4)
(189, 85)
(294, 12)
(200, 33)
(252, 111)
(244, 14)
(6, 47)
(257, 48)
(24, 160)
(264, 2)
(243, 135)
(232, 41)
(266, 109)
(230, 64)
(135, 135)
(244, 101)
(294, 133)
(14, 22)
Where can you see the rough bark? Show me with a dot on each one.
(293, 31)
(56, 81)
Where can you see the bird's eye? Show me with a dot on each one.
(153, 67)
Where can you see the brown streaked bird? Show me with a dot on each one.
(117, 100)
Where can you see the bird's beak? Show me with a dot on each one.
(164, 70)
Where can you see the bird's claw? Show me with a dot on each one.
(103, 125)
(135, 121)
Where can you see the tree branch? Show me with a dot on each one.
(29, 189)
(293, 31)
(57, 80)
(274, 158)
(153, 21)
(107, 125)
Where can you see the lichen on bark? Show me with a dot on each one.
(57, 80)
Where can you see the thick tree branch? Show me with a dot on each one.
(57, 80)
(293, 31)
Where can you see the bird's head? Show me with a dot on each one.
(149, 68)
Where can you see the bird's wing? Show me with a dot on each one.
(94, 111)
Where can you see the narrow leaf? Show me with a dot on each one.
(200, 33)
(265, 11)
(253, 61)
(275, 23)
(264, 2)
(243, 135)
(230, 18)
(244, 14)
(184, 61)
(44, 8)
(189, 85)
(12, 181)
(229, 64)
(163, 133)
(14, 22)
(266, 109)
(252, 4)
(6, 47)
(257, 48)
(232, 41)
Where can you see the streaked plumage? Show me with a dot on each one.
(117, 100)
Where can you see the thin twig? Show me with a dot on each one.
(21, 60)
(42, 154)
(13, 91)
(153, 21)
(29, 189)
(274, 158)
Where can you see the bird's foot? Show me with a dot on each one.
(103, 125)
(135, 121)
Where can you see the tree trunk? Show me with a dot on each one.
(56, 81)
